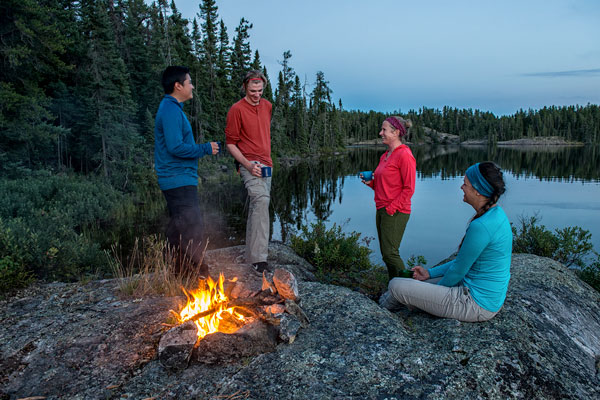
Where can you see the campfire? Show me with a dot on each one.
(206, 306)
(225, 320)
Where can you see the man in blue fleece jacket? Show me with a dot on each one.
(176, 157)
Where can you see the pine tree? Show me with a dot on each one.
(299, 136)
(256, 63)
(111, 136)
(33, 52)
(208, 84)
(241, 54)
(321, 113)
(136, 55)
(179, 37)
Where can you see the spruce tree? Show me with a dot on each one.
(241, 54)
(208, 83)
(33, 51)
(111, 136)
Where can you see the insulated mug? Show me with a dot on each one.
(265, 172)
(367, 175)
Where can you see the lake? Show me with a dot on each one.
(561, 185)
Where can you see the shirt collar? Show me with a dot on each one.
(174, 100)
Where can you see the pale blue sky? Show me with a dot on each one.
(389, 55)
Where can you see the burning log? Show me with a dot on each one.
(263, 298)
(267, 283)
(252, 339)
(286, 284)
(219, 328)
(275, 309)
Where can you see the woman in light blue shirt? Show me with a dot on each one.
(473, 286)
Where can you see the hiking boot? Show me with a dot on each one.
(261, 266)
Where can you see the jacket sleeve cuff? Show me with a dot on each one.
(206, 148)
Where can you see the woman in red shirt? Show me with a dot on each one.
(394, 184)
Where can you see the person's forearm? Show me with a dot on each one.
(239, 157)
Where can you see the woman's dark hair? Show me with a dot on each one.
(493, 175)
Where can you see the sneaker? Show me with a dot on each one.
(260, 266)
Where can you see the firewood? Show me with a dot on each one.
(263, 298)
(267, 283)
(286, 284)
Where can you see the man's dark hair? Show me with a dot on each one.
(172, 75)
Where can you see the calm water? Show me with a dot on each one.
(560, 185)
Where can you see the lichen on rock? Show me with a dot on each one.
(81, 341)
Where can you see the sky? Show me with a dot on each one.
(497, 56)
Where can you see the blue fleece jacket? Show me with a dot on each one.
(483, 261)
(176, 153)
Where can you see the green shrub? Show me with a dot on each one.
(569, 246)
(13, 276)
(331, 250)
(574, 244)
(47, 224)
(532, 238)
(591, 273)
(340, 258)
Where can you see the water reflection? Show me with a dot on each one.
(329, 190)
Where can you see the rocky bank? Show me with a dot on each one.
(83, 341)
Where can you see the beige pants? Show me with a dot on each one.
(442, 301)
(257, 226)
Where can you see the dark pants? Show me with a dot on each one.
(184, 232)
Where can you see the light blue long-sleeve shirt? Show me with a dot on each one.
(176, 153)
(483, 261)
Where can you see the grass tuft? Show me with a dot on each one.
(150, 269)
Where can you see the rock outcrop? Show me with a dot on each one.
(81, 341)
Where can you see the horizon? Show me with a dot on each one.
(498, 58)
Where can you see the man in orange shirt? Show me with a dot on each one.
(248, 139)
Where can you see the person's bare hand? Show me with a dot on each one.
(255, 169)
(362, 178)
(215, 147)
(420, 273)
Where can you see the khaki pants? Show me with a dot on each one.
(442, 301)
(257, 226)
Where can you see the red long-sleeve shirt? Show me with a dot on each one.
(394, 180)
(249, 128)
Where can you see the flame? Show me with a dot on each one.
(210, 294)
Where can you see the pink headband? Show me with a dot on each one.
(397, 124)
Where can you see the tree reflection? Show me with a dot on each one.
(312, 186)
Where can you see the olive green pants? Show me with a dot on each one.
(390, 229)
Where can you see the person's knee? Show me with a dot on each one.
(261, 200)
(401, 286)
(392, 259)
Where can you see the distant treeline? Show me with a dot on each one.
(573, 123)
(79, 86)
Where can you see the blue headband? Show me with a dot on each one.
(478, 181)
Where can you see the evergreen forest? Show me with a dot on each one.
(79, 86)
